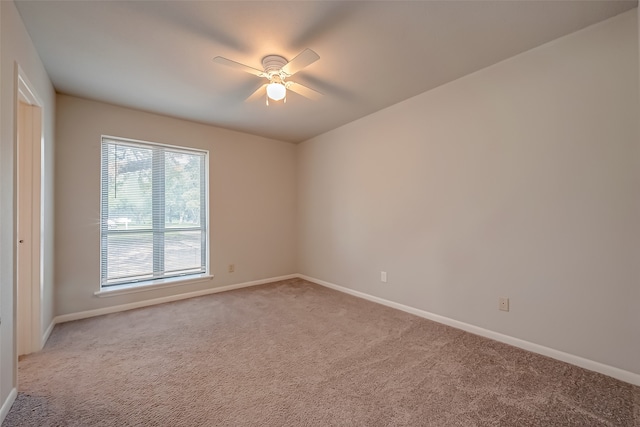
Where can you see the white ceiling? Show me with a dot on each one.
(156, 55)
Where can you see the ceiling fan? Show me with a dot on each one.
(277, 70)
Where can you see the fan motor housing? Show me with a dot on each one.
(273, 63)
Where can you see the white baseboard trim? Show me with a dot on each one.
(620, 374)
(47, 333)
(6, 406)
(124, 307)
(591, 365)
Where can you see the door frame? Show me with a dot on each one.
(28, 184)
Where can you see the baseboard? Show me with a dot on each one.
(6, 406)
(47, 333)
(591, 365)
(124, 307)
(620, 374)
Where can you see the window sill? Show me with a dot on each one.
(152, 286)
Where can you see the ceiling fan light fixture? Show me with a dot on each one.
(276, 91)
(276, 70)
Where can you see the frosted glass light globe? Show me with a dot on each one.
(276, 91)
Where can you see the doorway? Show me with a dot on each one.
(28, 217)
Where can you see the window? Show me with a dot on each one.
(153, 212)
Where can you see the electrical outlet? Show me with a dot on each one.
(232, 268)
(383, 276)
(503, 304)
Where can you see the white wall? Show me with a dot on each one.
(520, 180)
(252, 194)
(18, 48)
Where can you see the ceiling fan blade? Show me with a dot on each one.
(304, 58)
(238, 66)
(305, 91)
(261, 91)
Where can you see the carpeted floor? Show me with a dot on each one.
(293, 353)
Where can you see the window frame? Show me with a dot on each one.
(158, 216)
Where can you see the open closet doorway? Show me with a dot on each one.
(28, 217)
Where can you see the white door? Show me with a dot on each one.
(28, 219)
(24, 219)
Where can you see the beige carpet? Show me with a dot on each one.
(296, 354)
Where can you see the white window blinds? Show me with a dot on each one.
(153, 212)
